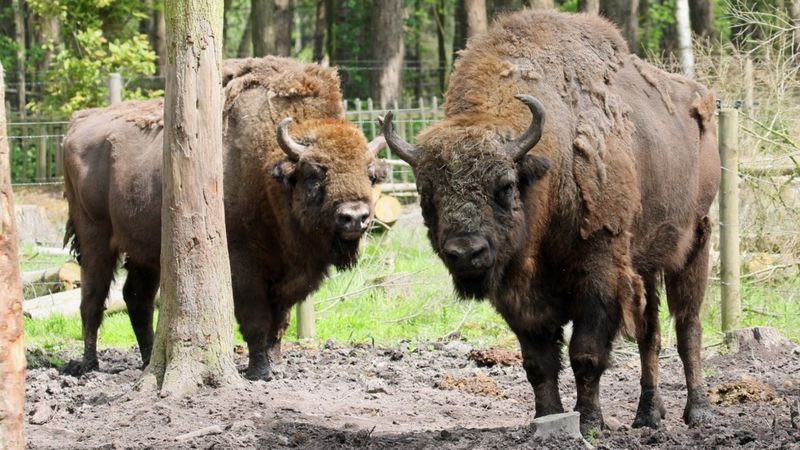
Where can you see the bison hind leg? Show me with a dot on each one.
(139, 293)
(686, 288)
(651, 408)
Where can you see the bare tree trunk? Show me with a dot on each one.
(245, 49)
(624, 13)
(684, 37)
(226, 7)
(470, 20)
(320, 24)
(540, 4)
(795, 12)
(158, 38)
(284, 19)
(439, 18)
(12, 350)
(194, 338)
(262, 14)
(19, 36)
(589, 6)
(389, 50)
(702, 18)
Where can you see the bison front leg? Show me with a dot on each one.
(685, 291)
(541, 358)
(594, 328)
(651, 408)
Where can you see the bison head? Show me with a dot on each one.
(472, 181)
(329, 172)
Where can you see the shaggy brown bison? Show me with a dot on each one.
(297, 199)
(576, 217)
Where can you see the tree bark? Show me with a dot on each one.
(320, 25)
(245, 49)
(19, 36)
(540, 4)
(795, 12)
(439, 18)
(589, 6)
(12, 350)
(624, 13)
(685, 50)
(262, 14)
(470, 20)
(702, 18)
(194, 337)
(158, 38)
(388, 50)
(284, 20)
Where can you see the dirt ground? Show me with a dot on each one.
(428, 396)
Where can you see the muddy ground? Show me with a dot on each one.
(427, 396)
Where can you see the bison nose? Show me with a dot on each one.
(352, 219)
(468, 253)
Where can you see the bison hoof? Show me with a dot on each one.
(591, 422)
(79, 367)
(651, 410)
(697, 414)
(258, 373)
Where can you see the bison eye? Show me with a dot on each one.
(504, 193)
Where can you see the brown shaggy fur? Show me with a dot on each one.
(280, 214)
(614, 195)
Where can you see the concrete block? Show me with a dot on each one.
(568, 423)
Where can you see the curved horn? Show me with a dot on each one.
(293, 149)
(520, 146)
(401, 148)
(376, 145)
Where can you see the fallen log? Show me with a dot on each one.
(68, 303)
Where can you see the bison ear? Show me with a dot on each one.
(532, 168)
(284, 172)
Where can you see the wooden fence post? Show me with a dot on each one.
(372, 118)
(41, 157)
(305, 319)
(729, 219)
(748, 85)
(359, 120)
(114, 88)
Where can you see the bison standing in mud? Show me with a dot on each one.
(576, 217)
(293, 205)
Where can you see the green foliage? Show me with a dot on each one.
(117, 18)
(569, 6)
(78, 78)
(660, 17)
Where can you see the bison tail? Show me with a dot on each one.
(71, 239)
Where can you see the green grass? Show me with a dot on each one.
(352, 307)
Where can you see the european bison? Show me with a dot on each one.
(297, 199)
(576, 217)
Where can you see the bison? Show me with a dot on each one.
(297, 181)
(579, 216)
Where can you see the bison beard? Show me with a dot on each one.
(345, 253)
(614, 197)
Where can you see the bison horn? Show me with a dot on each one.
(293, 149)
(376, 145)
(401, 148)
(520, 146)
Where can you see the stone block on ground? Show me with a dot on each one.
(756, 339)
(568, 423)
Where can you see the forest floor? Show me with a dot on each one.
(425, 396)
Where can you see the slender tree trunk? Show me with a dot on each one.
(226, 7)
(158, 37)
(589, 6)
(12, 350)
(439, 18)
(417, 56)
(540, 4)
(702, 18)
(284, 19)
(389, 50)
(320, 25)
(684, 37)
(624, 13)
(795, 12)
(194, 337)
(262, 14)
(470, 20)
(19, 36)
(245, 49)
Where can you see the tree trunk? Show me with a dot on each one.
(226, 7)
(684, 37)
(501, 6)
(540, 4)
(194, 337)
(245, 49)
(439, 18)
(19, 36)
(284, 19)
(262, 15)
(470, 20)
(320, 25)
(589, 6)
(702, 18)
(12, 350)
(796, 22)
(624, 13)
(388, 50)
(158, 39)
